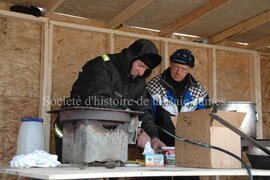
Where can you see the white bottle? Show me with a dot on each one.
(31, 136)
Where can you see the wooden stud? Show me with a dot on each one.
(165, 56)
(193, 16)
(214, 69)
(258, 96)
(212, 89)
(242, 27)
(43, 107)
(45, 81)
(252, 78)
(110, 43)
(129, 11)
(49, 86)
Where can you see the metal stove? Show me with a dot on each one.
(97, 134)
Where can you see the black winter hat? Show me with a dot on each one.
(151, 60)
(183, 56)
(146, 51)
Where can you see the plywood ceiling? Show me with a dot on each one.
(229, 15)
(161, 13)
(102, 10)
(245, 21)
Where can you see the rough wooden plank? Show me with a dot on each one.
(194, 15)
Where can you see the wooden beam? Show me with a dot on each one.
(260, 43)
(52, 5)
(143, 36)
(258, 95)
(263, 53)
(20, 16)
(231, 44)
(46, 81)
(252, 78)
(193, 16)
(110, 43)
(164, 52)
(242, 27)
(129, 11)
(212, 88)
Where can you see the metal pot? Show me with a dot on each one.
(248, 125)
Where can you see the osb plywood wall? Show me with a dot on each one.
(265, 86)
(233, 75)
(20, 48)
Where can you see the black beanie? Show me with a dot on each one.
(183, 56)
(151, 60)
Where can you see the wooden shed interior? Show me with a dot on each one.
(40, 57)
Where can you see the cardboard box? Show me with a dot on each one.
(199, 127)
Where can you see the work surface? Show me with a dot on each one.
(102, 172)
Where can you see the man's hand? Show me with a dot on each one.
(156, 143)
(142, 139)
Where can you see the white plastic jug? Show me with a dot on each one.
(30, 135)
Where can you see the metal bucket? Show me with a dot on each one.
(248, 125)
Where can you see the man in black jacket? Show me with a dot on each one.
(107, 80)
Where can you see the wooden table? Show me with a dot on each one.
(102, 172)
